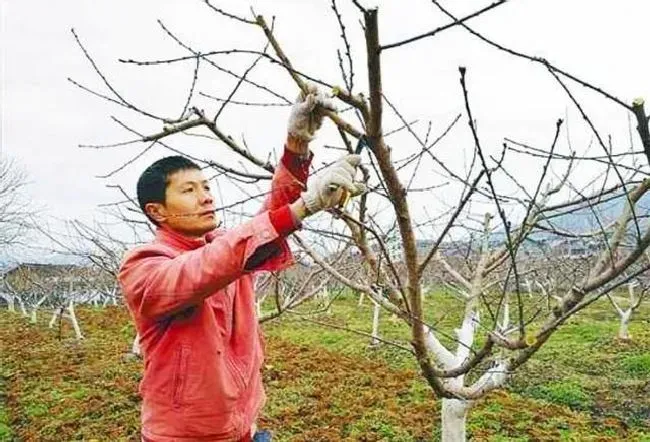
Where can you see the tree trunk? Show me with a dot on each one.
(57, 312)
(324, 296)
(10, 301)
(73, 319)
(22, 307)
(375, 325)
(36, 307)
(135, 348)
(623, 332)
(324, 300)
(454, 420)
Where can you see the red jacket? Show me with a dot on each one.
(193, 305)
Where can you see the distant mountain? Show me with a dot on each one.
(586, 219)
(593, 218)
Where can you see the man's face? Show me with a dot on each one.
(189, 206)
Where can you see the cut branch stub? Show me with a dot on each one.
(642, 127)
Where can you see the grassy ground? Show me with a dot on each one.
(325, 384)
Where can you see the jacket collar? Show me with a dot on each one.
(177, 240)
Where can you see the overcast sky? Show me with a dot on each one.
(45, 117)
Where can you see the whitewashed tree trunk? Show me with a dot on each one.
(10, 301)
(325, 295)
(113, 295)
(324, 300)
(22, 307)
(454, 420)
(375, 325)
(505, 322)
(33, 318)
(135, 347)
(454, 411)
(546, 295)
(69, 314)
(57, 312)
(626, 315)
(623, 332)
(529, 288)
(73, 318)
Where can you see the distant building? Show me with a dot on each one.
(44, 270)
(576, 248)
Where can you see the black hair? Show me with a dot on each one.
(154, 180)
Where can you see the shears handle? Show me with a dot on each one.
(346, 195)
(363, 142)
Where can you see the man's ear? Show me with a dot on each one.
(156, 211)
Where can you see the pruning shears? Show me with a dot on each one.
(363, 142)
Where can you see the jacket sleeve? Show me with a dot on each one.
(289, 179)
(156, 283)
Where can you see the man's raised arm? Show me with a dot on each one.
(290, 178)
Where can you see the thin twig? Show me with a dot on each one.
(191, 93)
(349, 82)
(226, 14)
(108, 84)
(442, 28)
(245, 103)
(543, 61)
(234, 90)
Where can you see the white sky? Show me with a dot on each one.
(45, 118)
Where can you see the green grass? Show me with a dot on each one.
(583, 367)
(637, 365)
(326, 384)
(566, 393)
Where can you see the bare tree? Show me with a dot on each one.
(101, 250)
(495, 230)
(55, 288)
(625, 315)
(14, 210)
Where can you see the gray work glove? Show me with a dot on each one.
(307, 113)
(334, 185)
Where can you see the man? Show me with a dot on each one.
(190, 291)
